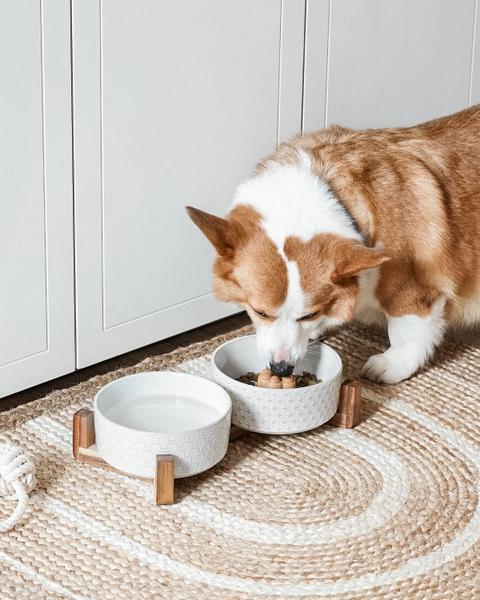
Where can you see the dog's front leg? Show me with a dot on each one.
(412, 341)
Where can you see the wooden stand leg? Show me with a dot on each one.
(349, 407)
(84, 450)
(164, 482)
(83, 431)
(83, 440)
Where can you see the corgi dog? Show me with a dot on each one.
(381, 225)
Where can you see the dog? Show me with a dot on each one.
(379, 225)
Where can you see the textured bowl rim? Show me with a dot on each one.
(267, 390)
(178, 375)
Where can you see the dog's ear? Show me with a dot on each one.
(220, 232)
(351, 258)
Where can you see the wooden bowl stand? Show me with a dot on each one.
(84, 449)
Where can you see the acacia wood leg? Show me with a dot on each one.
(348, 414)
(164, 482)
(83, 430)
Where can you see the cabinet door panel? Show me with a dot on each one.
(173, 104)
(475, 82)
(392, 63)
(36, 231)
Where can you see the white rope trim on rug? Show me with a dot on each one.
(17, 479)
(383, 506)
(37, 577)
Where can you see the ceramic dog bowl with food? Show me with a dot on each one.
(142, 415)
(278, 411)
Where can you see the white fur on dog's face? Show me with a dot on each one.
(286, 338)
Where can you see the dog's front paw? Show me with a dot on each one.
(392, 366)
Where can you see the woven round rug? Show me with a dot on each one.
(389, 510)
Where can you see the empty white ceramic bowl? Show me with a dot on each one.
(278, 411)
(142, 415)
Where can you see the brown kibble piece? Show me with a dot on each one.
(266, 374)
(264, 378)
(288, 383)
(267, 380)
(275, 382)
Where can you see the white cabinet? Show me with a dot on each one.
(372, 63)
(36, 245)
(475, 83)
(173, 104)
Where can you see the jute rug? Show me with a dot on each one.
(389, 510)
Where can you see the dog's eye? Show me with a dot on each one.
(309, 317)
(260, 313)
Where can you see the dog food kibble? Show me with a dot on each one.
(288, 383)
(266, 379)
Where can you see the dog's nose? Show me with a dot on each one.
(282, 368)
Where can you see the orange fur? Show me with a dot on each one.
(248, 269)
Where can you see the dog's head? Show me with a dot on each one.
(292, 293)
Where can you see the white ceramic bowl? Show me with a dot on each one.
(142, 415)
(278, 411)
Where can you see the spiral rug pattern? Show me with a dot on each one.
(389, 510)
